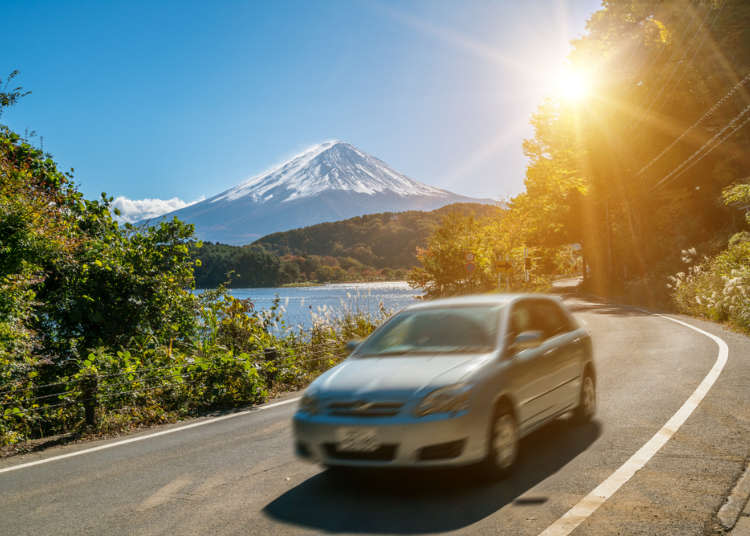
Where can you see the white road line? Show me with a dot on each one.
(588, 505)
(147, 436)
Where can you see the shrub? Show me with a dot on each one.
(717, 288)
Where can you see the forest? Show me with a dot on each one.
(366, 248)
(647, 171)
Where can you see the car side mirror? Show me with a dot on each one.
(525, 341)
(352, 344)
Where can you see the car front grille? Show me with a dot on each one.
(384, 453)
(362, 408)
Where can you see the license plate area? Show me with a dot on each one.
(357, 439)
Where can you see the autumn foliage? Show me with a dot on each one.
(634, 172)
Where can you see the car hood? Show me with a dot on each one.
(396, 377)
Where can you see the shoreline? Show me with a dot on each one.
(309, 284)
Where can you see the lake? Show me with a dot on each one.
(301, 302)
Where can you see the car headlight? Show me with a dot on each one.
(450, 399)
(309, 404)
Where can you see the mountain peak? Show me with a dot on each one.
(331, 165)
(330, 181)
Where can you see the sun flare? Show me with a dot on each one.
(573, 85)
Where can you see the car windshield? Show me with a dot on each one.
(469, 329)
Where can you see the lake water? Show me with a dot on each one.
(301, 302)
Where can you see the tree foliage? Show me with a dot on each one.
(384, 240)
(71, 275)
(365, 248)
(102, 315)
(626, 172)
(245, 266)
(10, 96)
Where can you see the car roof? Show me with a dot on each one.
(479, 299)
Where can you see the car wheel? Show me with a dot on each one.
(587, 401)
(503, 443)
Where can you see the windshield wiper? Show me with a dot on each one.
(471, 349)
(388, 354)
(433, 351)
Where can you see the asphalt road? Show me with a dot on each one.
(239, 476)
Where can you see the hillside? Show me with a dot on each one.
(371, 247)
(385, 240)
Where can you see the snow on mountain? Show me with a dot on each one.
(332, 165)
(328, 182)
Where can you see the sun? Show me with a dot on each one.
(573, 85)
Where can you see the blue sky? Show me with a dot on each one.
(185, 99)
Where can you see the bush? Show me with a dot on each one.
(100, 329)
(98, 315)
(717, 288)
(237, 357)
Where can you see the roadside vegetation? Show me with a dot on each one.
(644, 167)
(718, 287)
(100, 329)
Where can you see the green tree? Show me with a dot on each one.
(10, 96)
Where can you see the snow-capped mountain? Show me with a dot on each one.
(328, 182)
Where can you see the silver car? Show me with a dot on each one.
(450, 382)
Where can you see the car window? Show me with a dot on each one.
(438, 330)
(520, 320)
(549, 318)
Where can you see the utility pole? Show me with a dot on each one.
(509, 261)
(610, 261)
(525, 265)
(500, 265)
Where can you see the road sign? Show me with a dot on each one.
(469, 257)
(470, 267)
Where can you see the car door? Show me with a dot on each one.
(531, 373)
(577, 345)
(559, 350)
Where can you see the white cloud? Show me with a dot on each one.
(132, 210)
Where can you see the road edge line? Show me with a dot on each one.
(147, 436)
(600, 494)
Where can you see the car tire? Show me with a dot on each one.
(586, 408)
(502, 450)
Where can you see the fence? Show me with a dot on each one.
(73, 403)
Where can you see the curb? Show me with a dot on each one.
(732, 508)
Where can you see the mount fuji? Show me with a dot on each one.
(331, 181)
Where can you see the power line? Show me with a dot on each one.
(637, 121)
(667, 79)
(705, 116)
(687, 164)
(696, 46)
